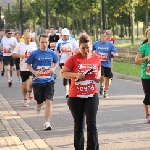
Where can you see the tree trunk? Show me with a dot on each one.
(132, 25)
(96, 24)
(146, 16)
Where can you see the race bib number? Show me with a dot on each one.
(44, 71)
(103, 56)
(85, 88)
(148, 69)
(53, 45)
(7, 51)
(27, 54)
(65, 49)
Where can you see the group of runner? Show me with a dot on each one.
(21, 47)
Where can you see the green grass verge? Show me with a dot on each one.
(127, 68)
(128, 45)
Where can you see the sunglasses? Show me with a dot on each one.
(9, 33)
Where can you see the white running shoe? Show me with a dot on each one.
(26, 103)
(47, 126)
(67, 94)
(31, 95)
(38, 109)
(148, 119)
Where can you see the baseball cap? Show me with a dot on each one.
(65, 31)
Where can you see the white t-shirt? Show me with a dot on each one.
(23, 49)
(6, 44)
(66, 48)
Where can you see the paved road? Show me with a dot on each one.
(120, 119)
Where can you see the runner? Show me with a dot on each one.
(143, 57)
(112, 40)
(83, 98)
(105, 49)
(8, 44)
(1, 54)
(23, 51)
(65, 47)
(53, 39)
(43, 79)
(17, 60)
(33, 34)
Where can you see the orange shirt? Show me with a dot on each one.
(87, 86)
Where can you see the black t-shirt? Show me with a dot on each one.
(53, 39)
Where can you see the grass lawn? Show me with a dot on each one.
(127, 68)
(128, 46)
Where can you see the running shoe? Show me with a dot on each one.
(9, 83)
(105, 94)
(67, 95)
(148, 119)
(55, 76)
(26, 103)
(101, 90)
(19, 81)
(31, 95)
(2, 73)
(47, 126)
(38, 109)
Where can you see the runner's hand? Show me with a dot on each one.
(147, 57)
(22, 56)
(79, 76)
(36, 73)
(97, 80)
(52, 70)
(113, 53)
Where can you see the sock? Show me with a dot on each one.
(147, 115)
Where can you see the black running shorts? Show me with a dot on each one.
(8, 60)
(106, 72)
(1, 58)
(17, 63)
(43, 91)
(25, 75)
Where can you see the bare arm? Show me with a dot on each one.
(139, 59)
(66, 73)
(97, 80)
(15, 55)
(31, 69)
(114, 54)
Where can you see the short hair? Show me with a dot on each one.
(103, 32)
(148, 29)
(2, 30)
(84, 39)
(17, 32)
(52, 26)
(7, 30)
(43, 35)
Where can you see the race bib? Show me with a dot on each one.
(7, 51)
(44, 71)
(85, 88)
(27, 54)
(103, 56)
(52, 45)
(148, 69)
(65, 49)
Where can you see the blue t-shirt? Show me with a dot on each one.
(41, 61)
(1, 52)
(104, 50)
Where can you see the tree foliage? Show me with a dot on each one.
(77, 14)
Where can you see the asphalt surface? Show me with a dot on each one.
(121, 119)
